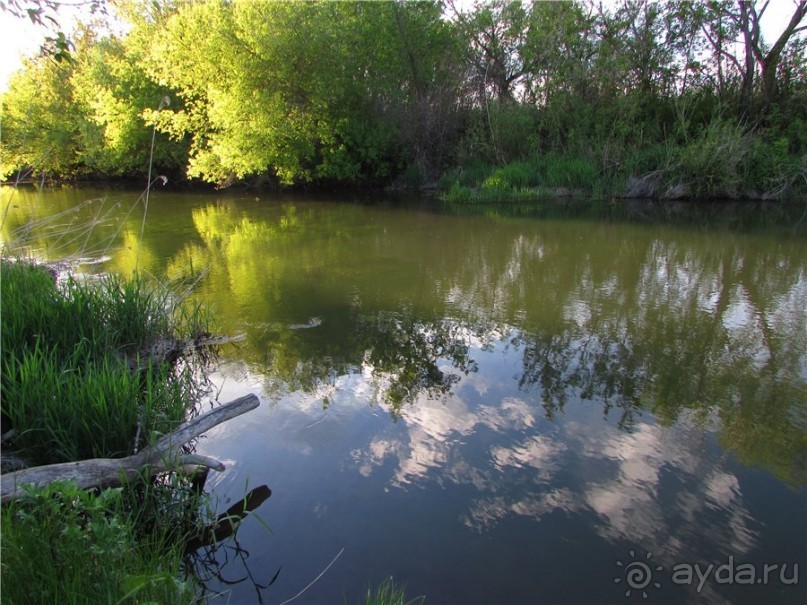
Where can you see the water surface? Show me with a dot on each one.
(562, 403)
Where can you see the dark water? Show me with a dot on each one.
(553, 404)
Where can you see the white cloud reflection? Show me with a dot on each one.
(655, 486)
(533, 468)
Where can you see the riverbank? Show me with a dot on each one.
(755, 171)
(752, 169)
(80, 380)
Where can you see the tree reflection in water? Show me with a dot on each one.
(693, 365)
(637, 321)
(604, 369)
(667, 309)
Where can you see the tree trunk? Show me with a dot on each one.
(770, 62)
(164, 455)
(750, 30)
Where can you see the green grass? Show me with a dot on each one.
(538, 177)
(112, 316)
(66, 545)
(78, 382)
(64, 411)
(467, 176)
(76, 377)
(390, 593)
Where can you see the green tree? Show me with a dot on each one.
(304, 91)
(117, 96)
(757, 58)
(42, 129)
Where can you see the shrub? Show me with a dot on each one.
(711, 163)
(62, 544)
(773, 169)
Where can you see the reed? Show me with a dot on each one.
(77, 378)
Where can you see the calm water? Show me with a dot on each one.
(562, 406)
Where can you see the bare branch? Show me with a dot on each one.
(722, 50)
(164, 455)
(764, 8)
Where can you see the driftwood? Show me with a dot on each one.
(169, 350)
(164, 455)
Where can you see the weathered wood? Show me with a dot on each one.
(164, 455)
(168, 350)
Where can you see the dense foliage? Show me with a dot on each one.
(686, 94)
(78, 382)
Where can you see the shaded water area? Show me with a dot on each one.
(557, 403)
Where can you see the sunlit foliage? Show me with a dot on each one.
(397, 93)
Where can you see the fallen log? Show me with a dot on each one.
(169, 350)
(164, 455)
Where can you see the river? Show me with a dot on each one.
(572, 402)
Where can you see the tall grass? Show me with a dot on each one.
(64, 411)
(694, 152)
(111, 315)
(390, 593)
(77, 379)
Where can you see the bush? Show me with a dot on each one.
(710, 163)
(725, 161)
(498, 133)
(773, 169)
(470, 175)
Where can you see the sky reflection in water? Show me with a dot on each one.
(475, 496)
(496, 409)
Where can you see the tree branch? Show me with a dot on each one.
(722, 50)
(792, 28)
(164, 455)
